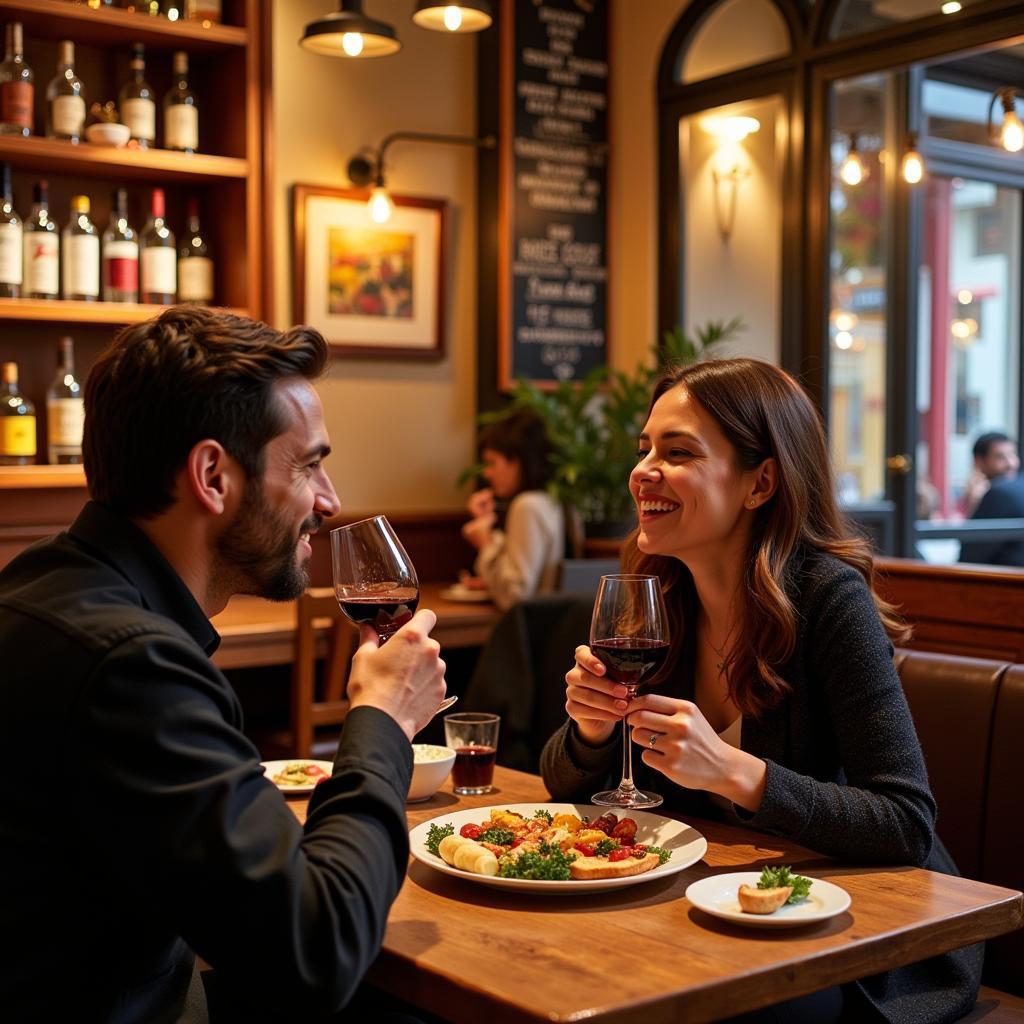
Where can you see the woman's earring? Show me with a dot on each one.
(751, 504)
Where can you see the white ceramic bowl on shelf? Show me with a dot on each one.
(108, 133)
(430, 767)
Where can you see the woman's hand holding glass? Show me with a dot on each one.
(596, 704)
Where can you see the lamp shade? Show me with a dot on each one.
(348, 32)
(464, 16)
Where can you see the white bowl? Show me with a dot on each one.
(108, 133)
(431, 766)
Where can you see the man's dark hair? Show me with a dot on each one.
(189, 374)
(985, 442)
(521, 435)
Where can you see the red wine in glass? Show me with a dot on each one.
(629, 633)
(474, 766)
(380, 605)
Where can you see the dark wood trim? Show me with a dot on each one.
(265, 25)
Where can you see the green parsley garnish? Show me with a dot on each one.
(435, 834)
(773, 878)
(604, 847)
(498, 836)
(547, 863)
(546, 815)
(663, 855)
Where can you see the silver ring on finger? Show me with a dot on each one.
(653, 740)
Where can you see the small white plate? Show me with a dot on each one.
(717, 895)
(457, 592)
(272, 768)
(686, 844)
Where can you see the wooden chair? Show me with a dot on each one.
(319, 702)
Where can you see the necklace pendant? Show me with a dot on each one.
(719, 665)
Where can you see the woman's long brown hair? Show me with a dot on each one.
(764, 413)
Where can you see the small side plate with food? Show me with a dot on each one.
(556, 848)
(299, 775)
(772, 898)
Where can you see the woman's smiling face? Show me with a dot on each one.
(689, 490)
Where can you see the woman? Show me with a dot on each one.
(523, 559)
(780, 705)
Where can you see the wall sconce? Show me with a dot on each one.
(368, 166)
(1010, 133)
(912, 164)
(349, 32)
(852, 170)
(727, 167)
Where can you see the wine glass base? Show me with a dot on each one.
(633, 798)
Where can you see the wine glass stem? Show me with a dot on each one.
(627, 753)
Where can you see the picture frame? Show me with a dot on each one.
(373, 290)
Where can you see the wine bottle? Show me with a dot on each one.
(138, 108)
(195, 268)
(17, 421)
(81, 278)
(65, 98)
(171, 9)
(181, 114)
(41, 248)
(203, 10)
(120, 254)
(157, 251)
(10, 242)
(17, 86)
(65, 410)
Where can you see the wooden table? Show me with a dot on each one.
(258, 632)
(469, 953)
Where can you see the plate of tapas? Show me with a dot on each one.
(556, 848)
(773, 898)
(298, 775)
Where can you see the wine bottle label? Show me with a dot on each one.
(16, 104)
(81, 265)
(17, 435)
(65, 418)
(68, 115)
(159, 270)
(121, 263)
(42, 262)
(195, 279)
(140, 116)
(181, 127)
(10, 254)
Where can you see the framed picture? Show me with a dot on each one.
(371, 289)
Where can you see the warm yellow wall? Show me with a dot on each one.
(401, 432)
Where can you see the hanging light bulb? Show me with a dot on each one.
(1011, 132)
(853, 171)
(912, 164)
(348, 32)
(464, 16)
(380, 205)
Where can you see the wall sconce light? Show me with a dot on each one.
(349, 32)
(727, 168)
(912, 164)
(852, 170)
(1010, 133)
(368, 166)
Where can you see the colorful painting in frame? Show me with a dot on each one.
(372, 290)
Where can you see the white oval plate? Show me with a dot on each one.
(686, 844)
(457, 592)
(717, 895)
(273, 767)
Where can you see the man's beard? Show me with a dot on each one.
(257, 550)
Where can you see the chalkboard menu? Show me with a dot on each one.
(554, 264)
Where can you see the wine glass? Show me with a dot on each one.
(374, 579)
(629, 633)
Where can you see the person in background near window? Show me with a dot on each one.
(136, 826)
(522, 559)
(779, 706)
(995, 458)
(996, 455)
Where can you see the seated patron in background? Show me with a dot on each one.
(779, 706)
(1002, 499)
(136, 826)
(995, 458)
(522, 559)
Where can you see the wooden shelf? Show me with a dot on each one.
(49, 19)
(66, 311)
(41, 477)
(86, 160)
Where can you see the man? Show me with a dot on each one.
(136, 827)
(995, 458)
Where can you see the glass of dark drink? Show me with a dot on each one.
(629, 633)
(474, 738)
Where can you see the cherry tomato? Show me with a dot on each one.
(471, 831)
(620, 854)
(585, 849)
(517, 841)
(639, 851)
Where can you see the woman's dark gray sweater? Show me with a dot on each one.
(845, 778)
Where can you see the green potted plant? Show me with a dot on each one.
(593, 426)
